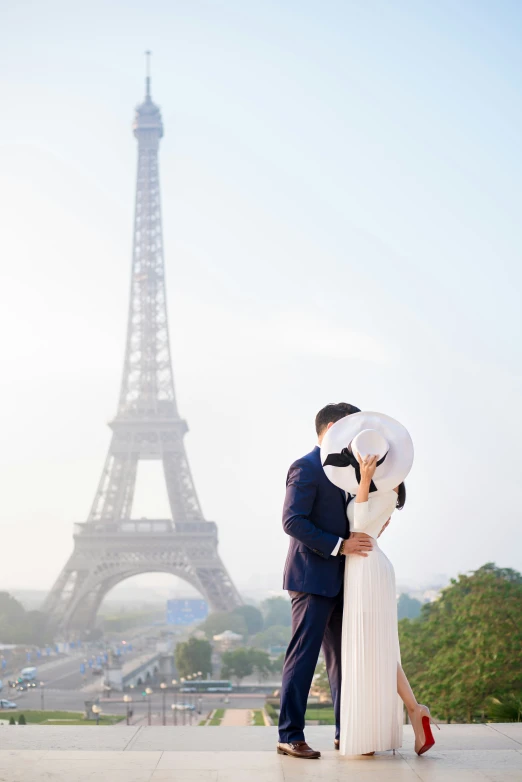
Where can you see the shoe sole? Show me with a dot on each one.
(429, 741)
(299, 757)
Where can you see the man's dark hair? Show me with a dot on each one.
(332, 413)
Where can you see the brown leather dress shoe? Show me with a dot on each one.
(336, 743)
(298, 749)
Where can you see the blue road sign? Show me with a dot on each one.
(186, 612)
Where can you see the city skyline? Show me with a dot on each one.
(337, 227)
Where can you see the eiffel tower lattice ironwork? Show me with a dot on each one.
(110, 546)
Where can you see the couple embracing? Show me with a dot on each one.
(339, 499)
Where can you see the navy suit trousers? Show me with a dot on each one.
(316, 622)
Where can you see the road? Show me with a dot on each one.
(74, 700)
(63, 672)
(63, 683)
(63, 680)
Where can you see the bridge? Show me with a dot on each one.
(136, 672)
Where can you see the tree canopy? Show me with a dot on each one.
(241, 663)
(408, 607)
(277, 611)
(252, 616)
(237, 664)
(193, 656)
(276, 635)
(18, 626)
(465, 650)
(217, 623)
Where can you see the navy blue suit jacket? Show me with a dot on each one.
(314, 515)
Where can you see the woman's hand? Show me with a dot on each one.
(368, 466)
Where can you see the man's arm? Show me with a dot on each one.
(301, 489)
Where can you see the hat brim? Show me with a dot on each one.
(391, 472)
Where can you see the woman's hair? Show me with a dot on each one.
(401, 496)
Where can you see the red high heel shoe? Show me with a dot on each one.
(421, 725)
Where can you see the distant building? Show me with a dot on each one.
(227, 640)
(186, 612)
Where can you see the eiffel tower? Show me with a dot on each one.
(111, 546)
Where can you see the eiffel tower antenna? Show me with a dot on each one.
(147, 80)
(112, 546)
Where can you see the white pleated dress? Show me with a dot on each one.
(371, 710)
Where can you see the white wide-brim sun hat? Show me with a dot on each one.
(367, 433)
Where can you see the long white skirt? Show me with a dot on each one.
(371, 710)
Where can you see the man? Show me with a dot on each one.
(314, 515)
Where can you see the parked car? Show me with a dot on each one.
(7, 704)
(97, 670)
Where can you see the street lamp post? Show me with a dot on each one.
(194, 699)
(200, 699)
(183, 710)
(42, 704)
(127, 700)
(189, 693)
(163, 688)
(175, 704)
(148, 692)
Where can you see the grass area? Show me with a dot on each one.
(272, 712)
(325, 716)
(217, 717)
(258, 720)
(56, 717)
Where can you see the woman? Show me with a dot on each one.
(372, 465)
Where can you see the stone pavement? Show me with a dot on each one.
(236, 718)
(33, 753)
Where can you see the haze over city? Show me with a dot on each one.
(341, 222)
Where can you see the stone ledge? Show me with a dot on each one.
(34, 753)
(222, 739)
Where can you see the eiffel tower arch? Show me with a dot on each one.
(111, 546)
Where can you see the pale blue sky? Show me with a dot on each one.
(341, 197)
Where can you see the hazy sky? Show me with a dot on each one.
(341, 188)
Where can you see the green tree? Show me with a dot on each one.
(276, 635)
(465, 648)
(252, 616)
(223, 620)
(277, 611)
(277, 664)
(18, 626)
(244, 662)
(408, 607)
(261, 663)
(509, 709)
(320, 680)
(237, 664)
(192, 656)
(22, 720)
(10, 607)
